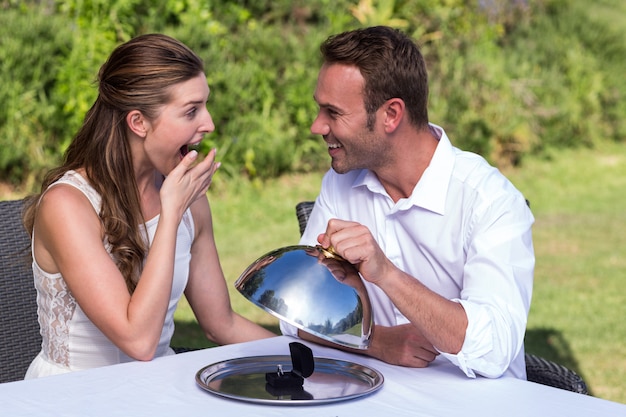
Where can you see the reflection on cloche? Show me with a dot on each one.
(314, 290)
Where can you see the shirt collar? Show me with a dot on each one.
(431, 190)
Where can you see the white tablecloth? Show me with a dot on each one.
(167, 387)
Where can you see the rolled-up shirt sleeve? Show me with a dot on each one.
(496, 296)
(485, 350)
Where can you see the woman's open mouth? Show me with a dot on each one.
(185, 149)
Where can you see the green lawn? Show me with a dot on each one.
(578, 304)
(578, 310)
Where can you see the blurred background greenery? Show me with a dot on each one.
(536, 86)
(508, 78)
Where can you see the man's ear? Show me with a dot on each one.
(137, 123)
(394, 113)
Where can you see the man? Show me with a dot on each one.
(441, 239)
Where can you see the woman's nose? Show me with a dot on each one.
(208, 125)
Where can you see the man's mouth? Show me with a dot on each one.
(334, 146)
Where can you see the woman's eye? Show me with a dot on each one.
(192, 112)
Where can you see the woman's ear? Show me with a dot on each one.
(137, 123)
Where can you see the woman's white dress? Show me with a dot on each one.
(70, 341)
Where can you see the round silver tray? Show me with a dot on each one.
(244, 379)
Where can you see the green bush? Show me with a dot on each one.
(30, 47)
(507, 78)
(523, 77)
(571, 73)
(261, 66)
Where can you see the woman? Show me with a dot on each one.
(123, 227)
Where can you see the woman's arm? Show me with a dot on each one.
(69, 240)
(206, 290)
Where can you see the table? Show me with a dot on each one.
(166, 387)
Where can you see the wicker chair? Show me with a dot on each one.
(538, 369)
(543, 371)
(19, 330)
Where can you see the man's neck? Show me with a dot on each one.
(412, 155)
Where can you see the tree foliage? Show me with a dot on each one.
(508, 78)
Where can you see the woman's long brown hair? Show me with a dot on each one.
(137, 76)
